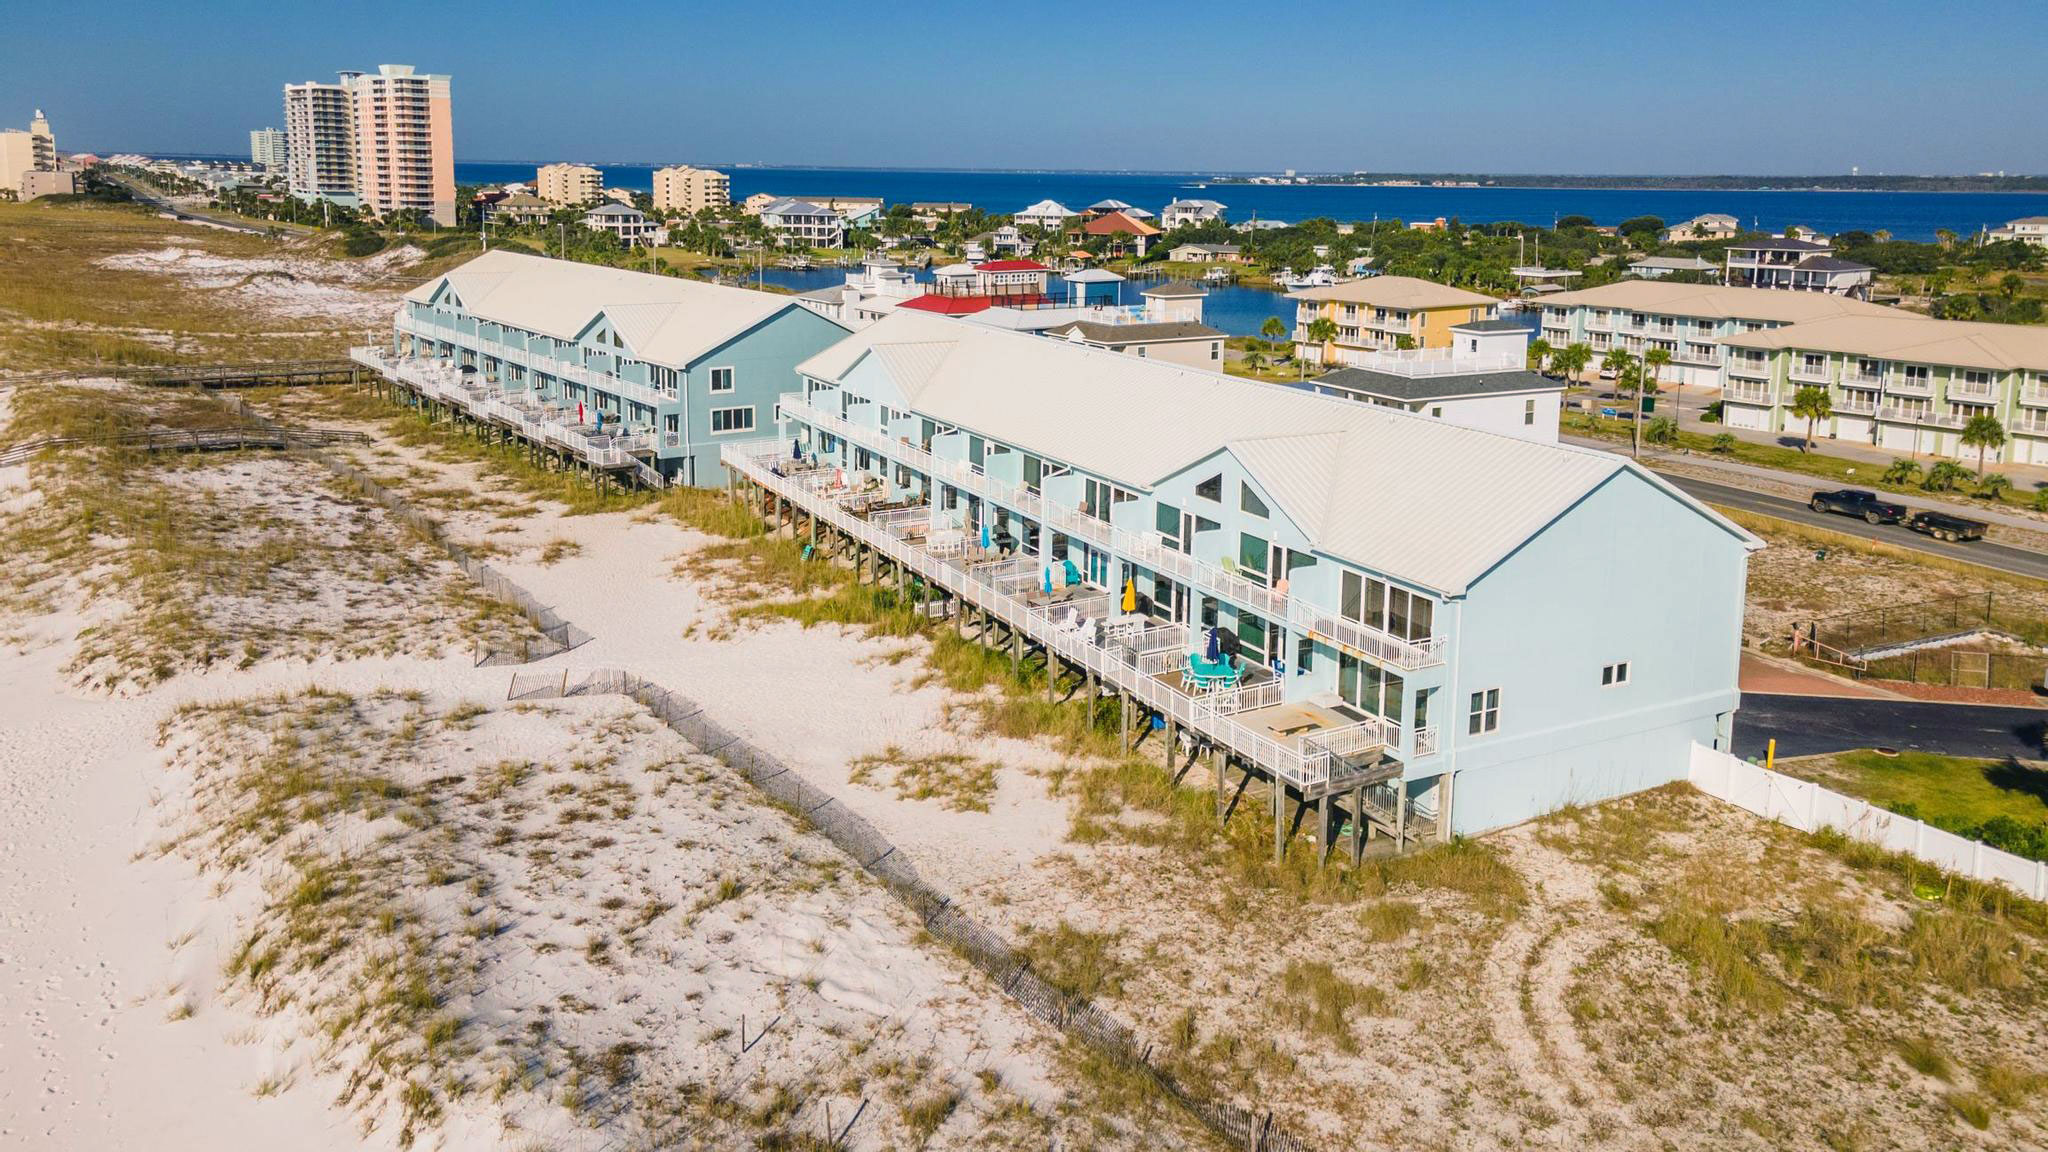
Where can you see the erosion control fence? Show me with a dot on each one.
(1977, 641)
(1809, 807)
(985, 948)
(1881, 626)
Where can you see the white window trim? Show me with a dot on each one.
(1488, 716)
(711, 420)
(1614, 675)
(731, 377)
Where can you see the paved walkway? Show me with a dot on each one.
(1762, 674)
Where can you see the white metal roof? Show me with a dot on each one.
(664, 319)
(1419, 499)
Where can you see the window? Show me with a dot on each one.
(724, 420)
(1251, 553)
(1352, 603)
(1144, 353)
(721, 379)
(673, 424)
(1612, 674)
(1249, 501)
(1485, 714)
(1528, 412)
(1437, 412)
(1211, 489)
(1215, 350)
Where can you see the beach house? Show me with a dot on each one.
(1796, 263)
(1190, 212)
(1689, 321)
(1710, 226)
(1899, 382)
(1047, 214)
(1383, 312)
(626, 374)
(1347, 608)
(2030, 229)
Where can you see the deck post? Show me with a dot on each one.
(1093, 698)
(1173, 740)
(1123, 708)
(1016, 651)
(1443, 808)
(1323, 827)
(1357, 824)
(1052, 672)
(1215, 769)
(1279, 819)
(1400, 815)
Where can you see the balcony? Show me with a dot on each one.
(1734, 394)
(1336, 752)
(1856, 377)
(1751, 369)
(1809, 374)
(1985, 392)
(1928, 419)
(1852, 406)
(1147, 550)
(2034, 395)
(1910, 386)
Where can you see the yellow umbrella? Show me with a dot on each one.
(1130, 596)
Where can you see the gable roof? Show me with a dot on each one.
(665, 319)
(1329, 463)
(1395, 292)
(1046, 208)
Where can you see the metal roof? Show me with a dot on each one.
(665, 319)
(1421, 500)
(1137, 333)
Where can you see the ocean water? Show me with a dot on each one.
(1907, 215)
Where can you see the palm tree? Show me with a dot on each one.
(1994, 484)
(1983, 432)
(1274, 329)
(1654, 360)
(1571, 360)
(1946, 236)
(1253, 362)
(1321, 331)
(1812, 403)
(1901, 471)
(1540, 354)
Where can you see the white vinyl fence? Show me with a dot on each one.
(1810, 807)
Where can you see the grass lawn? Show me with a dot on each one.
(2002, 803)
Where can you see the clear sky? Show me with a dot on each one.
(1741, 86)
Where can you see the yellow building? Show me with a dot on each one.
(690, 190)
(1374, 314)
(569, 184)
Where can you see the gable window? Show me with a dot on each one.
(1612, 674)
(1437, 412)
(1485, 712)
(727, 420)
(1251, 553)
(721, 379)
(1211, 489)
(1528, 412)
(1249, 501)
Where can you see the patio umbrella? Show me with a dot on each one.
(1130, 595)
(796, 449)
(984, 537)
(1214, 651)
(1046, 575)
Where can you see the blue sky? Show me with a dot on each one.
(1522, 86)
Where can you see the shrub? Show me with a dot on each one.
(362, 244)
(1723, 443)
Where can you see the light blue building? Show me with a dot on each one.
(1440, 630)
(633, 374)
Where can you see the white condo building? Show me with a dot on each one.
(269, 149)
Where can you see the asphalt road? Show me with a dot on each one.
(157, 200)
(1811, 725)
(2004, 558)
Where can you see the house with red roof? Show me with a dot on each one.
(1126, 233)
(964, 289)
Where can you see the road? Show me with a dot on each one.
(2001, 557)
(1811, 725)
(158, 200)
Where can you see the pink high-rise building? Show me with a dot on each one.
(382, 140)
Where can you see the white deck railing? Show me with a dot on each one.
(1305, 761)
(535, 421)
(1146, 550)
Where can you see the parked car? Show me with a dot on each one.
(1943, 526)
(1857, 502)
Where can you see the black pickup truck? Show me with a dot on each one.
(1857, 502)
(1943, 526)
